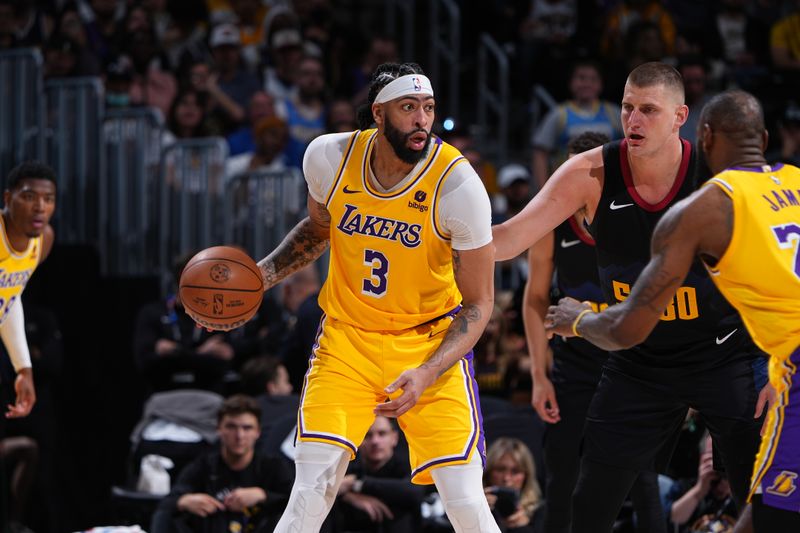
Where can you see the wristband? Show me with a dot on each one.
(578, 319)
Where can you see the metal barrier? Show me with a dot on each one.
(445, 45)
(74, 121)
(401, 12)
(191, 197)
(493, 98)
(128, 215)
(261, 207)
(21, 108)
(541, 102)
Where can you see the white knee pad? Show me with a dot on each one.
(319, 471)
(461, 490)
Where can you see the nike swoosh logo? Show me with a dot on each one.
(348, 191)
(434, 333)
(615, 206)
(566, 244)
(726, 337)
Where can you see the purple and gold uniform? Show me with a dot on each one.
(16, 268)
(760, 275)
(389, 297)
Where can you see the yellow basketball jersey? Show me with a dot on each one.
(390, 262)
(759, 273)
(15, 269)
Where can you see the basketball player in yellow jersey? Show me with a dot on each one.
(408, 293)
(29, 201)
(744, 224)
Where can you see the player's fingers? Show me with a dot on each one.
(763, 397)
(396, 384)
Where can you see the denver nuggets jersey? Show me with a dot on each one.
(15, 269)
(390, 260)
(760, 271)
(696, 328)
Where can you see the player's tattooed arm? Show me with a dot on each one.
(468, 318)
(693, 227)
(302, 245)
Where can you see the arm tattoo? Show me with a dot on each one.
(456, 261)
(301, 246)
(658, 280)
(469, 314)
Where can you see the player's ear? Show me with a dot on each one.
(377, 113)
(764, 140)
(705, 136)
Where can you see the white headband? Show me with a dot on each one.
(407, 85)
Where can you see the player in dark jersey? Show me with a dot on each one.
(699, 356)
(562, 393)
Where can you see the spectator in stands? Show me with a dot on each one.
(102, 19)
(32, 24)
(694, 71)
(546, 35)
(221, 109)
(250, 15)
(233, 78)
(60, 57)
(152, 85)
(236, 488)
(267, 380)
(785, 41)
(261, 105)
(20, 456)
(286, 52)
(511, 488)
(490, 358)
(741, 41)
(182, 32)
(514, 182)
(622, 18)
(68, 24)
(304, 110)
(118, 81)
(583, 112)
(376, 494)
(167, 344)
(186, 118)
(271, 136)
(341, 116)
(355, 85)
(704, 504)
(789, 137)
(302, 314)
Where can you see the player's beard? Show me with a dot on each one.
(398, 141)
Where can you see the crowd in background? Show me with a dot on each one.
(270, 76)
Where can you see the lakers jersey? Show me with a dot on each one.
(16, 268)
(390, 260)
(759, 273)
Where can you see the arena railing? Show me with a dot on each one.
(131, 141)
(21, 108)
(401, 13)
(445, 47)
(493, 98)
(191, 197)
(74, 118)
(261, 207)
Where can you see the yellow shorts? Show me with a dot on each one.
(348, 370)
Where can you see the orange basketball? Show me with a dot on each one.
(221, 288)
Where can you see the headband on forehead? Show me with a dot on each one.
(410, 84)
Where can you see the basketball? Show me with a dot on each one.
(221, 288)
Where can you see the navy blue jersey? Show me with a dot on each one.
(575, 264)
(699, 329)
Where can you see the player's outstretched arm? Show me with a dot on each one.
(473, 271)
(534, 309)
(575, 187)
(302, 245)
(12, 331)
(702, 224)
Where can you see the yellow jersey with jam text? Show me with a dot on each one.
(16, 268)
(759, 273)
(390, 260)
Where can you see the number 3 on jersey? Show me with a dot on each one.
(375, 285)
(788, 236)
